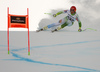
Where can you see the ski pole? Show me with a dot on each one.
(89, 29)
(92, 29)
(48, 13)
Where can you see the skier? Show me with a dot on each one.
(67, 21)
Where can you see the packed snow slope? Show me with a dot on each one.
(64, 51)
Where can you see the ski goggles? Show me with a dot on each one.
(72, 10)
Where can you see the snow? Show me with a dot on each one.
(62, 51)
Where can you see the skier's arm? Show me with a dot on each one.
(60, 12)
(79, 22)
(80, 25)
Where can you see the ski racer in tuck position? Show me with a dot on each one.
(67, 21)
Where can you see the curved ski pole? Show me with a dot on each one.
(92, 29)
(48, 13)
(89, 29)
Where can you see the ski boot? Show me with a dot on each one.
(39, 30)
(54, 30)
(42, 29)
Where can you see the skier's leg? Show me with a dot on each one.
(48, 26)
(54, 24)
(62, 26)
(67, 23)
(63, 23)
(60, 22)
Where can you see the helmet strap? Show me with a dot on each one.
(73, 13)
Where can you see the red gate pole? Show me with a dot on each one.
(8, 29)
(11, 25)
(28, 31)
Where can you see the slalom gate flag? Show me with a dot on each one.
(18, 21)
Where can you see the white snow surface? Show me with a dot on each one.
(62, 51)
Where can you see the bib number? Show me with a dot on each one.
(70, 18)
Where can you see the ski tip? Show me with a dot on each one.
(37, 30)
(52, 31)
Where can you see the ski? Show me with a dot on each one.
(57, 30)
(54, 30)
(39, 30)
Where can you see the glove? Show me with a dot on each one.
(79, 30)
(54, 15)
